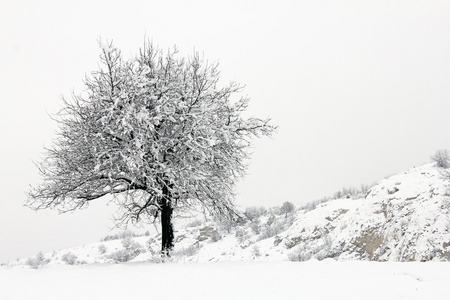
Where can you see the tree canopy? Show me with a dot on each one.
(156, 130)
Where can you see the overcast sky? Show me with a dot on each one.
(359, 89)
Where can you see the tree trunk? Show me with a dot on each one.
(166, 223)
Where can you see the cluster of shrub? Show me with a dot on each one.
(124, 234)
(264, 223)
(276, 220)
(441, 158)
(130, 250)
(345, 192)
(321, 249)
(37, 261)
(256, 221)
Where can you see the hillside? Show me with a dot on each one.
(402, 218)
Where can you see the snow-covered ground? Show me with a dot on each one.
(360, 246)
(327, 279)
(403, 218)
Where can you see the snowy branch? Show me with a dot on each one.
(152, 128)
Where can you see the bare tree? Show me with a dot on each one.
(442, 158)
(156, 132)
(287, 208)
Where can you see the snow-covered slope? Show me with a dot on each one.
(402, 218)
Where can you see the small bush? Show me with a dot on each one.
(150, 243)
(122, 255)
(241, 235)
(256, 228)
(215, 236)
(270, 231)
(189, 251)
(311, 205)
(70, 259)
(352, 192)
(320, 250)
(442, 158)
(102, 249)
(158, 258)
(118, 236)
(129, 244)
(276, 227)
(300, 254)
(271, 219)
(255, 251)
(226, 224)
(130, 251)
(194, 223)
(253, 213)
(38, 261)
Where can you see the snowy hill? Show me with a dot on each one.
(402, 218)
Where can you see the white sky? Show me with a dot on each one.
(360, 90)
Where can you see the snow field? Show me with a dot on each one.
(314, 279)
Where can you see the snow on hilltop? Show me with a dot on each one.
(402, 218)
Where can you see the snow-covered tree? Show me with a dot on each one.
(442, 158)
(155, 131)
(287, 208)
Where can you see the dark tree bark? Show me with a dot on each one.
(166, 223)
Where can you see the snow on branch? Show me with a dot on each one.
(153, 127)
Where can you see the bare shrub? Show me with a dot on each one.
(215, 236)
(442, 158)
(271, 219)
(324, 251)
(275, 210)
(300, 253)
(256, 251)
(270, 231)
(188, 251)
(256, 228)
(38, 261)
(102, 249)
(130, 251)
(253, 213)
(130, 244)
(70, 259)
(320, 250)
(241, 235)
(227, 224)
(121, 256)
(150, 243)
(311, 205)
(353, 192)
(121, 235)
(159, 259)
(194, 223)
(276, 227)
